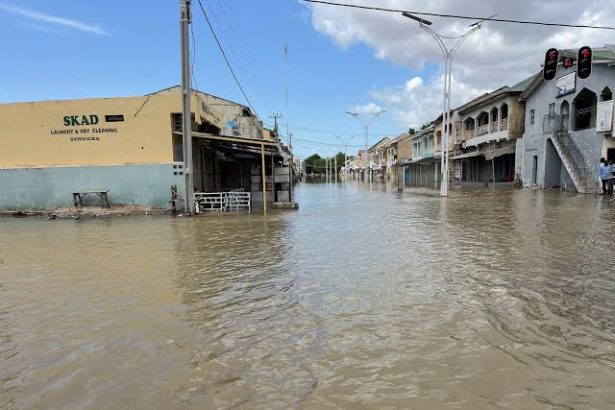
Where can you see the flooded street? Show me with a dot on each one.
(364, 298)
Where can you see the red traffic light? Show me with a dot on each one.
(568, 62)
(584, 62)
(550, 66)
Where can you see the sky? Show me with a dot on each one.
(339, 59)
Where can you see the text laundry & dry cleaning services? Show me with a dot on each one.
(86, 120)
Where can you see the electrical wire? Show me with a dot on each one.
(324, 131)
(327, 144)
(229, 17)
(195, 86)
(213, 32)
(456, 16)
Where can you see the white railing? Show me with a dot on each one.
(236, 200)
(495, 126)
(504, 124)
(483, 129)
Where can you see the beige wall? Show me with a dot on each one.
(35, 135)
(516, 117)
(404, 148)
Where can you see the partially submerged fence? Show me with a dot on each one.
(232, 201)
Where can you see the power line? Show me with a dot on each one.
(327, 144)
(193, 77)
(421, 13)
(325, 131)
(213, 32)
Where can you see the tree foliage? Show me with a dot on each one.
(315, 164)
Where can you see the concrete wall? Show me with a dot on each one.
(51, 187)
(592, 144)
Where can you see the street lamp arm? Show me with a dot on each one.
(438, 39)
(466, 35)
(416, 18)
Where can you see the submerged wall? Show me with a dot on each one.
(51, 187)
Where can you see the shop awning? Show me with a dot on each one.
(495, 153)
(468, 155)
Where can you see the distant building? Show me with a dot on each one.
(377, 159)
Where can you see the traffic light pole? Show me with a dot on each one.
(448, 53)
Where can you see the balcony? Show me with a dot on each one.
(504, 124)
(467, 134)
(483, 129)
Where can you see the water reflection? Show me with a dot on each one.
(364, 298)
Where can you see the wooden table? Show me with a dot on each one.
(78, 197)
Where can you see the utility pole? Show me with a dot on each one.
(335, 169)
(366, 121)
(290, 169)
(186, 20)
(275, 117)
(326, 169)
(448, 53)
(290, 135)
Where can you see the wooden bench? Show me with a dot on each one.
(78, 197)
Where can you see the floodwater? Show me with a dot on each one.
(363, 299)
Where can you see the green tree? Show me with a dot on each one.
(340, 161)
(314, 164)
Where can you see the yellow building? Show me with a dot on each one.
(130, 146)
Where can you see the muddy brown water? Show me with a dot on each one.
(364, 299)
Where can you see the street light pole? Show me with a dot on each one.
(186, 113)
(345, 144)
(366, 121)
(448, 53)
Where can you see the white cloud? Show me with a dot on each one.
(53, 20)
(366, 109)
(417, 102)
(414, 83)
(498, 54)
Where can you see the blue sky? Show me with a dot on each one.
(340, 59)
(121, 48)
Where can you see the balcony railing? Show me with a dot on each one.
(503, 124)
(495, 126)
(483, 129)
(469, 134)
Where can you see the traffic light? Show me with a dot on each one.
(584, 62)
(550, 67)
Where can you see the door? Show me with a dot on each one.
(535, 170)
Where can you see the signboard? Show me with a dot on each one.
(565, 85)
(84, 127)
(604, 122)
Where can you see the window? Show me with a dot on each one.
(585, 110)
(532, 116)
(177, 122)
(551, 108)
(606, 94)
(564, 113)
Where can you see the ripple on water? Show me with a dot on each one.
(364, 298)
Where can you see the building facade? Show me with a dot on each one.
(487, 136)
(131, 146)
(569, 126)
